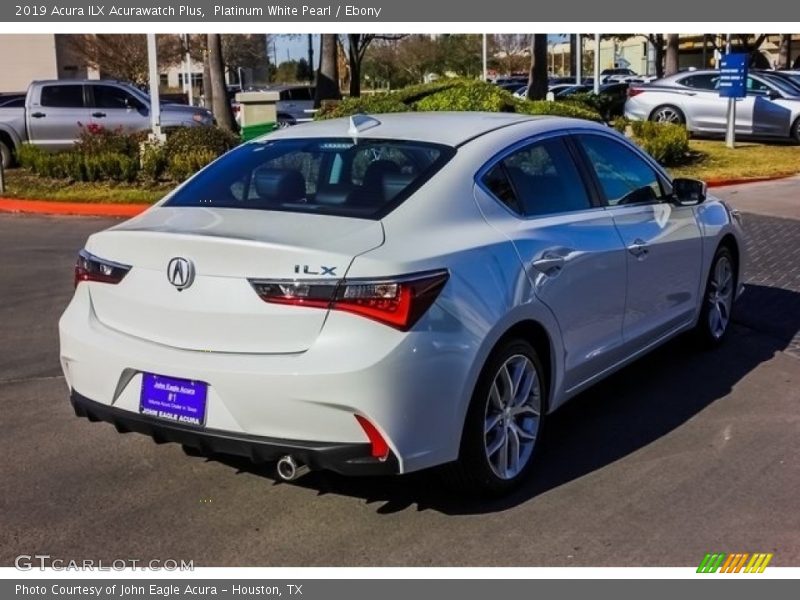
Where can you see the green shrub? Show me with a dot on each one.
(95, 139)
(153, 160)
(374, 104)
(468, 95)
(621, 124)
(181, 166)
(455, 95)
(668, 143)
(181, 140)
(557, 109)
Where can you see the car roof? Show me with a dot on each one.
(449, 128)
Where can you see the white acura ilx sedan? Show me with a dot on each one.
(383, 294)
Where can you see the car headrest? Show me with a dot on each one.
(279, 185)
(394, 183)
(373, 176)
(332, 195)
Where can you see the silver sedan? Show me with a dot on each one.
(771, 108)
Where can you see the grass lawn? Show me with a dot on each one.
(20, 183)
(713, 161)
(710, 161)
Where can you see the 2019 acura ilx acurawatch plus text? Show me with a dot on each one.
(385, 294)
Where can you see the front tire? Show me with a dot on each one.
(795, 132)
(720, 292)
(504, 421)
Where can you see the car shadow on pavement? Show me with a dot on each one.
(613, 419)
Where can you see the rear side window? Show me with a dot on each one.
(538, 180)
(703, 81)
(62, 96)
(624, 176)
(333, 176)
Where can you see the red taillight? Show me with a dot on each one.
(398, 302)
(632, 91)
(91, 268)
(379, 448)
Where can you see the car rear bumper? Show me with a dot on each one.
(344, 458)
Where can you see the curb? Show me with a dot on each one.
(724, 182)
(44, 207)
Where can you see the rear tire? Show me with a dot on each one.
(718, 298)
(503, 427)
(6, 156)
(668, 113)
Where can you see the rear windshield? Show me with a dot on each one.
(366, 179)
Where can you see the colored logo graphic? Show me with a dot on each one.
(734, 563)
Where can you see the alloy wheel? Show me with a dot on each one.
(512, 417)
(720, 297)
(668, 115)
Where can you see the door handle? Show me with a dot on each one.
(38, 115)
(639, 248)
(99, 115)
(549, 264)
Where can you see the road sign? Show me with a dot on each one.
(733, 76)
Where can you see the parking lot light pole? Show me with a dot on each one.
(730, 131)
(155, 101)
(484, 58)
(578, 59)
(596, 63)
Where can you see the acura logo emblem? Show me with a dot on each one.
(180, 272)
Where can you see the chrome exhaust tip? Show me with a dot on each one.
(290, 469)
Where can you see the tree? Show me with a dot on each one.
(303, 71)
(357, 44)
(785, 51)
(287, 72)
(461, 54)
(219, 93)
(244, 51)
(327, 87)
(124, 56)
(537, 81)
(509, 52)
(671, 56)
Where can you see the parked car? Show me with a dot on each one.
(791, 77)
(619, 74)
(771, 108)
(379, 295)
(295, 105)
(55, 111)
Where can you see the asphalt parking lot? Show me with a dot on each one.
(683, 453)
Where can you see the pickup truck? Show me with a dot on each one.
(54, 112)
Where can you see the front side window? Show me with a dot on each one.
(62, 96)
(109, 96)
(335, 176)
(625, 178)
(539, 179)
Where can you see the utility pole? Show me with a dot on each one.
(310, 58)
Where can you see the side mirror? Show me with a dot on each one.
(688, 192)
(773, 95)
